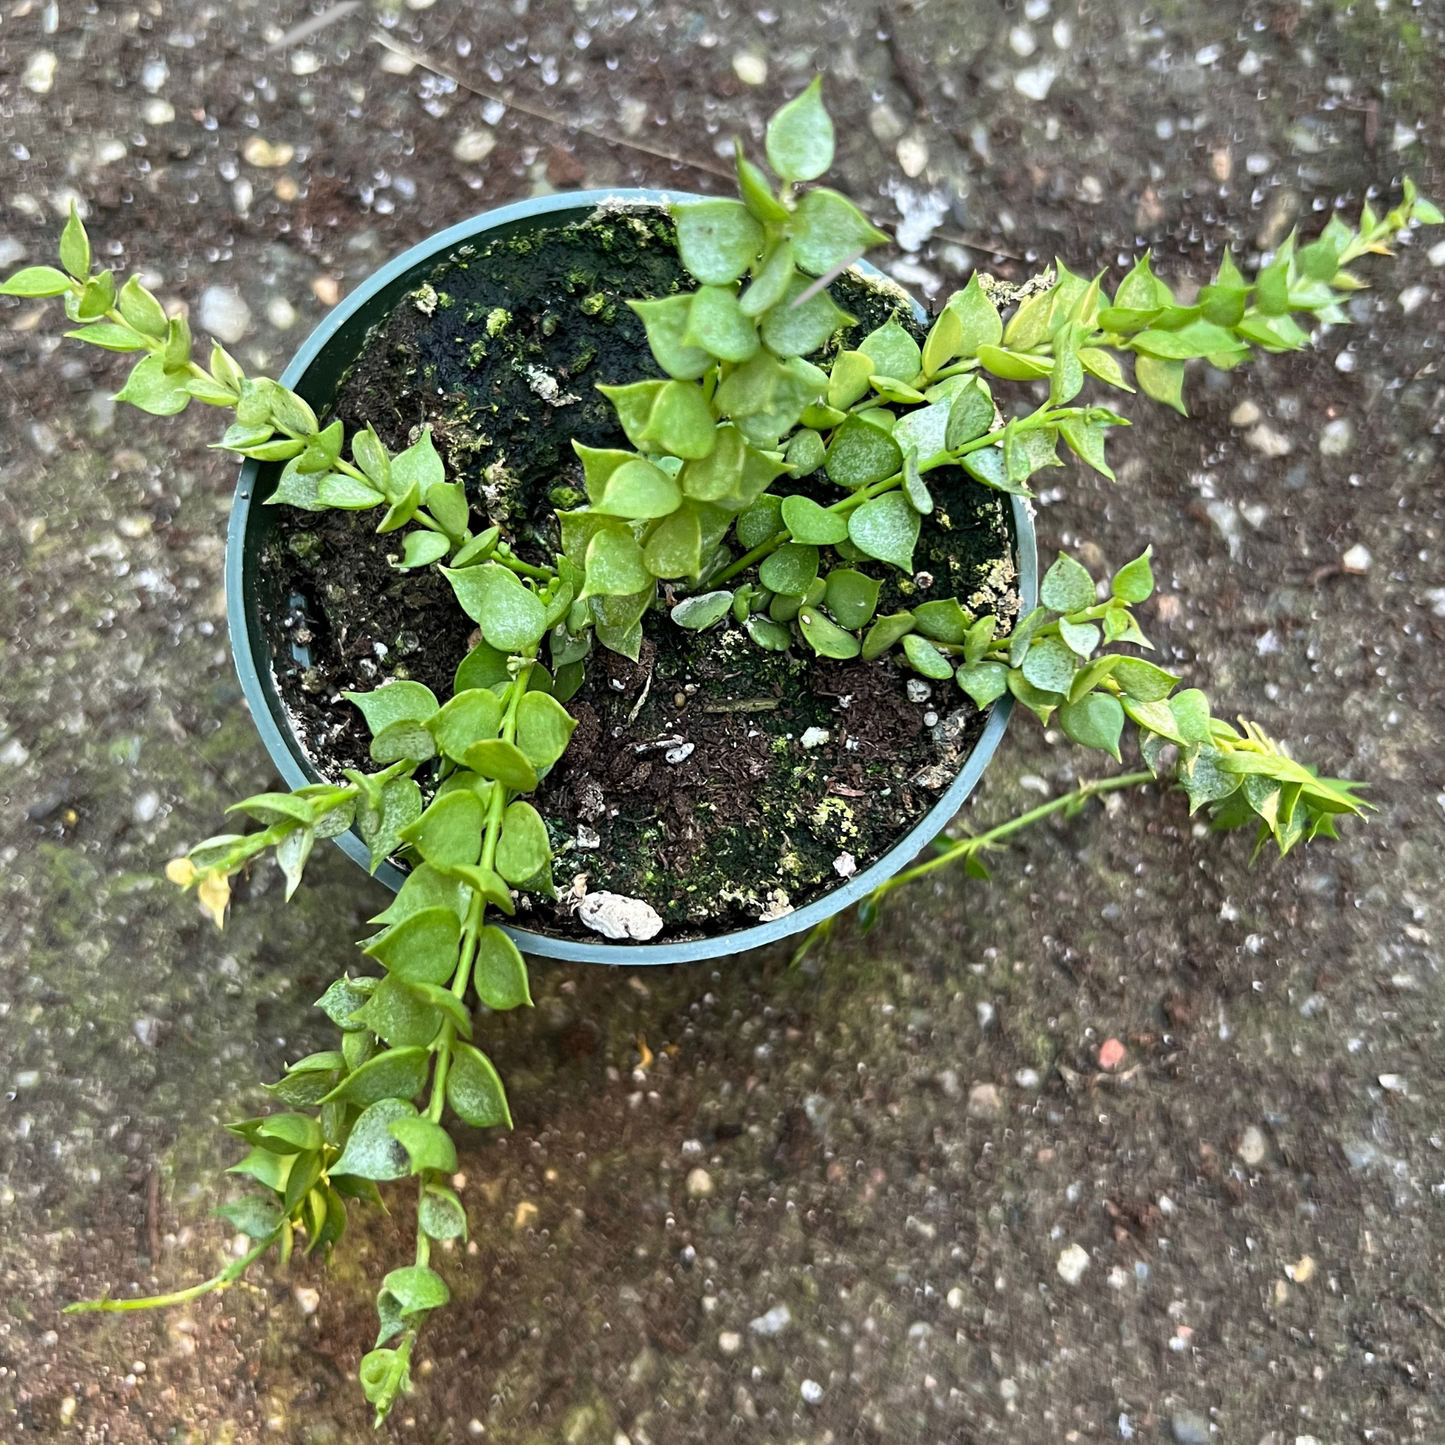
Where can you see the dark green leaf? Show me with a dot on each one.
(1094, 721)
(943, 621)
(885, 632)
(702, 611)
(523, 849)
(500, 975)
(887, 528)
(252, 1216)
(770, 636)
(474, 1091)
(1067, 586)
(430, 1147)
(924, 657)
(395, 1074)
(422, 948)
(861, 454)
(983, 681)
(810, 524)
(852, 597)
(791, 570)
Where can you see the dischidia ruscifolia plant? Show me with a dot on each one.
(700, 508)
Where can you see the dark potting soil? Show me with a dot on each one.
(688, 782)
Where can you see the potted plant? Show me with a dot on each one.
(782, 494)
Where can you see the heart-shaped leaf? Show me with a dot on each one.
(943, 621)
(887, 528)
(852, 597)
(523, 849)
(702, 611)
(810, 523)
(544, 727)
(475, 1091)
(638, 489)
(402, 701)
(1067, 586)
(1095, 721)
(984, 682)
(717, 240)
(665, 322)
(422, 948)
(795, 327)
(861, 454)
(450, 831)
(800, 136)
(499, 974)
(893, 351)
(791, 570)
(717, 324)
(430, 1147)
(829, 230)
(503, 761)
(615, 565)
(511, 616)
(470, 716)
(372, 1151)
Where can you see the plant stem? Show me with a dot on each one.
(966, 846)
(226, 1278)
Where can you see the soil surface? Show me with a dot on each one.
(688, 783)
(895, 1162)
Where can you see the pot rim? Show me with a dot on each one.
(287, 757)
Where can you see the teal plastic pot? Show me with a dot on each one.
(316, 374)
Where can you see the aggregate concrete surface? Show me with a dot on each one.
(891, 1196)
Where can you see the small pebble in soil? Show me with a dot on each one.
(1268, 442)
(308, 1301)
(1345, 361)
(681, 753)
(918, 690)
(1252, 1147)
(984, 1102)
(699, 1184)
(1073, 1261)
(1245, 414)
(811, 1391)
(1189, 1428)
(1303, 1271)
(1027, 1078)
(845, 865)
(729, 1342)
(1337, 437)
(774, 1322)
(814, 738)
(1357, 559)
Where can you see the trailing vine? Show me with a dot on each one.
(695, 519)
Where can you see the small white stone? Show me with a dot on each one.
(154, 74)
(1036, 81)
(1251, 64)
(699, 1184)
(1412, 298)
(39, 72)
(1345, 361)
(1258, 163)
(1063, 33)
(918, 690)
(308, 1301)
(1245, 414)
(473, 146)
(305, 62)
(680, 754)
(1338, 436)
(1208, 54)
(749, 68)
(984, 1102)
(1268, 442)
(885, 123)
(1027, 1078)
(773, 1323)
(1404, 137)
(280, 313)
(157, 112)
(588, 838)
(811, 1391)
(1072, 1263)
(912, 155)
(1357, 559)
(1021, 41)
(1252, 1146)
(814, 738)
(615, 916)
(145, 807)
(729, 1342)
(1118, 1278)
(223, 314)
(11, 251)
(845, 865)
(1436, 254)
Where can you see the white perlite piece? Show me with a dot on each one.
(615, 916)
(545, 385)
(814, 738)
(1072, 1264)
(779, 905)
(845, 865)
(773, 1323)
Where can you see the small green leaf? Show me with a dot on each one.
(914, 487)
(400, 1015)
(1067, 586)
(401, 701)
(423, 947)
(615, 565)
(1041, 702)
(829, 230)
(770, 285)
(499, 974)
(441, 1215)
(36, 281)
(800, 136)
(826, 638)
(510, 614)
(1094, 721)
(761, 522)
(394, 1075)
(811, 524)
(252, 1216)
(792, 328)
(484, 666)
(289, 1133)
(674, 548)
(108, 336)
(344, 997)
(984, 682)
(474, 1091)
(887, 528)
(702, 611)
(504, 762)
(1104, 365)
(791, 570)
(155, 390)
(970, 415)
(544, 728)
(421, 549)
(447, 502)
(1134, 582)
(924, 657)
(885, 632)
(430, 1147)
(1163, 380)
(770, 636)
(368, 452)
(945, 338)
(523, 849)
(141, 310)
(757, 194)
(1049, 665)
(716, 324)
(860, 454)
(982, 325)
(943, 621)
(346, 494)
(717, 240)
(638, 489)
(1014, 365)
(979, 637)
(665, 322)
(1082, 637)
(417, 1288)
(893, 352)
(1144, 681)
(849, 379)
(852, 597)
(471, 715)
